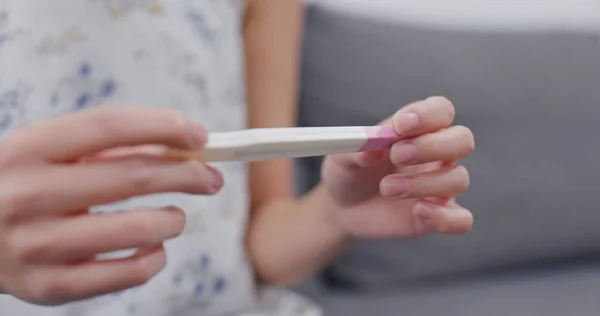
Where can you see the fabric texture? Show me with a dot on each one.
(62, 56)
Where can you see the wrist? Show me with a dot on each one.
(308, 238)
(328, 212)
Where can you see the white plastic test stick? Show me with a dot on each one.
(279, 143)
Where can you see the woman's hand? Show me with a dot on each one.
(409, 190)
(48, 239)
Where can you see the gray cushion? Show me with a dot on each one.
(533, 102)
(563, 291)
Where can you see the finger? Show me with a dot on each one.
(80, 237)
(417, 118)
(86, 132)
(66, 188)
(422, 117)
(75, 282)
(448, 181)
(155, 151)
(450, 218)
(127, 152)
(358, 160)
(450, 144)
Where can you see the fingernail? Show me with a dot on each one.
(403, 152)
(217, 179)
(406, 122)
(173, 208)
(393, 187)
(424, 211)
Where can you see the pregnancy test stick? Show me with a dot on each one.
(279, 143)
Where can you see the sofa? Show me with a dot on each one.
(531, 95)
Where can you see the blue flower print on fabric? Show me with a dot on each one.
(198, 279)
(199, 289)
(205, 261)
(107, 88)
(177, 278)
(197, 21)
(85, 70)
(82, 89)
(12, 106)
(6, 31)
(219, 284)
(201, 25)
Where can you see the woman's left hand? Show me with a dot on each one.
(408, 190)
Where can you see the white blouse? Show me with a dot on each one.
(61, 56)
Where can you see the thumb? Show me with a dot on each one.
(402, 121)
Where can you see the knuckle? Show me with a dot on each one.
(13, 246)
(117, 119)
(143, 227)
(173, 122)
(10, 147)
(21, 249)
(7, 152)
(109, 122)
(139, 177)
(45, 289)
(183, 129)
(52, 289)
(15, 198)
(176, 121)
(6, 208)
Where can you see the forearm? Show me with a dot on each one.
(287, 238)
(291, 239)
(272, 36)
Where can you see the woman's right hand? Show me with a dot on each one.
(48, 239)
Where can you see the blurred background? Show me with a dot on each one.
(525, 76)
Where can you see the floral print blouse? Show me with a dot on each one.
(62, 56)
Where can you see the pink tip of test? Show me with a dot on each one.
(379, 138)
